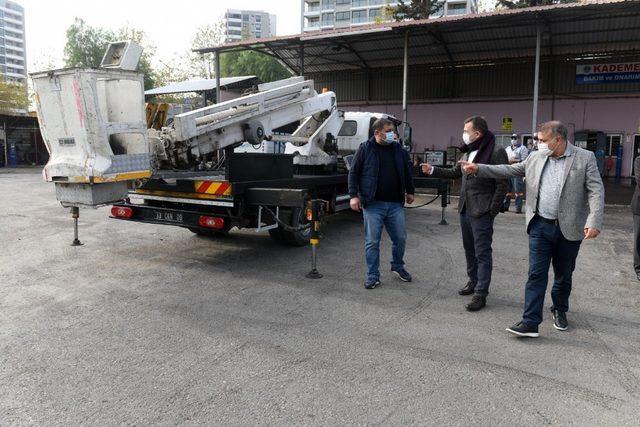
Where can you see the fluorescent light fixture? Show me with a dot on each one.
(346, 33)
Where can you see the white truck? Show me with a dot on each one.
(251, 162)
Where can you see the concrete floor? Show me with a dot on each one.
(150, 324)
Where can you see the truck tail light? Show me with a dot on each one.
(211, 222)
(121, 212)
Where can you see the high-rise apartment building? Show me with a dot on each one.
(13, 57)
(248, 24)
(329, 14)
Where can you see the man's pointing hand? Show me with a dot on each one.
(468, 167)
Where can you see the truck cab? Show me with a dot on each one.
(357, 128)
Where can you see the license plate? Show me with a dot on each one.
(169, 216)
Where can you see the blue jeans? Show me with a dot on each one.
(517, 189)
(389, 215)
(548, 246)
(477, 237)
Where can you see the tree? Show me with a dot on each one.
(386, 15)
(86, 45)
(231, 64)
(416, 9)
(13, 96)
(251, 63)
(519, 4)
(201, 65)
(172, 71)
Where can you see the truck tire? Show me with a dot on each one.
(294, 218)
(276, 235)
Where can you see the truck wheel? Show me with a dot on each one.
(295, 218)
(276, 234)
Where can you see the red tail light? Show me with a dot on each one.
(121, 212)
(211, 222)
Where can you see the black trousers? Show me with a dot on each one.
(477, 236)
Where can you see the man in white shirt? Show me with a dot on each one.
(516, 153)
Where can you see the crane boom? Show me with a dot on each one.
(93, 124)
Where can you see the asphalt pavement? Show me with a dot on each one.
(149, 324)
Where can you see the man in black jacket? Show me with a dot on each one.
(480, 201)
(380, 181)
(635, 207)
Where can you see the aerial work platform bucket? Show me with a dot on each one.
(94, 126)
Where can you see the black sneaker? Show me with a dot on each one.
(478, 302)
(371, 283)
(469, 289)
(560, 320)
(523, 330)
(402, 274)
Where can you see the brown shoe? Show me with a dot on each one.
(468, 289)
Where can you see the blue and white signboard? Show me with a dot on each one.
(622, 72)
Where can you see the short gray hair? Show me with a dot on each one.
(381, 123)
(555, 128)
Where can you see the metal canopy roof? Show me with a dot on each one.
(575, 30)
(204, 85)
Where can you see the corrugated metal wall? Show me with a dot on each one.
(488, 81)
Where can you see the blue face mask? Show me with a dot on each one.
(389, 137)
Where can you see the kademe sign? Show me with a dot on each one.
(623, 72)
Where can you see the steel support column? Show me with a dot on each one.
(405, 76)
(536, 82)
(35, 143)
(216, 65)
(301, 54)
(6, 144)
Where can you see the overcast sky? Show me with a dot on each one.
(169, 24)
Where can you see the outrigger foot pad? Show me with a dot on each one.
(314, 274)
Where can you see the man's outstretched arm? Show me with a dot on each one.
(494, 171)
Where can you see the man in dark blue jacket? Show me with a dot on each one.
(380, 181)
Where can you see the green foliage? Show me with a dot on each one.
(416, 9)
(86, 45)
(13, 96)
(247, 63)
(519, 4)
(231, 64)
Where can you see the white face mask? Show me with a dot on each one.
(466, 138)
(543, 148)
